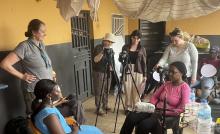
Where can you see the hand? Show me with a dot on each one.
(60, 101)
(144, 80)
(193, 81)
(156, 66)
(54, 76)
(98, 57)
(29, 78)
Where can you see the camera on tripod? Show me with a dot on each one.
(108, 52)
(163, 73)
(109, 55)
(123, 57)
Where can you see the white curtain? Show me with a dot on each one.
(70, 8)
(164, 10)
(94, 6)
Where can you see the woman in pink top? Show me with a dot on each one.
(175, 92)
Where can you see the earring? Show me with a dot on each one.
(50, 101)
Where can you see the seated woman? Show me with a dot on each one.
(47, 118)
(175, 92)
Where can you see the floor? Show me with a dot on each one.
(107, 122)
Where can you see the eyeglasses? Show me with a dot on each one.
(172, 72)
(136, 38)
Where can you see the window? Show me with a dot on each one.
(80, 30)
(118, 25)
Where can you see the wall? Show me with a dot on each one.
(14, 21)
(16, 14)
(104, 25)
(205, 25)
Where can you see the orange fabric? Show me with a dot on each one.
(32, 126)
(70, 121)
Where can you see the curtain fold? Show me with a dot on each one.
(94, 6)
(164, 10)
(69, 8)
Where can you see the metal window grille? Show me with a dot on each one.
(118, 25)
(80, 30)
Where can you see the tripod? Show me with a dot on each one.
(110, 63)
(119, 83)
(107, 71)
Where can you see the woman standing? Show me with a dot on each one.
(138, 66)
(181, 50)
(35, 62)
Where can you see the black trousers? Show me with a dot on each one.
(146, 123)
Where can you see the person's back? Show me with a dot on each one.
(44, 113)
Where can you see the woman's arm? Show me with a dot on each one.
(155, 97)
(53, 124)
(7, 64)
(194, 61)
(165, 56)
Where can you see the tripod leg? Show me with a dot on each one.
(117, 99)
(119, 85)
(134, 82)
(116, 102)
(120, 97)
(117, 113)
(106, 92)
(100, 99)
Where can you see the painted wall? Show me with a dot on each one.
(205, 25)
(16, 14)
(104, 25)
(132, 25)
(14, 21)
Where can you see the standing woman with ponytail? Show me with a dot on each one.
(34, 59)
(181, 50)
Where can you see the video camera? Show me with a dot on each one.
(163, 72)
(108, 52)
(109, 55)
(123, 57)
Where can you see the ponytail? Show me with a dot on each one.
(36, 106)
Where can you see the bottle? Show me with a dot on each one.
(193, 107)
(192, 95)
(204, 118)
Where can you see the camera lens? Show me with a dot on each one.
(123, 57)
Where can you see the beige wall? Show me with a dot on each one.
(104, 25)
(205, 25)
(16, 14)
